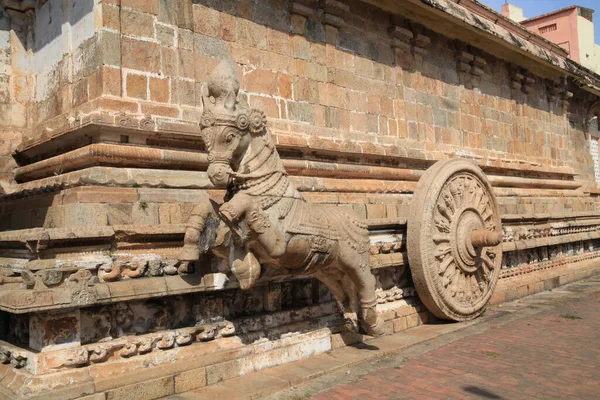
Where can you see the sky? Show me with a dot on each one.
(533, 8)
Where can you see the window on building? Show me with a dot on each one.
(547, 28)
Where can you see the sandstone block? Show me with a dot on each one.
(110, 44)
(400, 324)
(144, 214)
(159, 90)
(110, 16)
(206, 20)
(134, 22)
(85, 214)
(141, 55)
(227, 370)
(190, 380)
(228, 25)
(147, 6)
(179, 13)
(145, 390)
(160, 110)
(165, 35)
(413, 320)
(137, 86)
(111, 81)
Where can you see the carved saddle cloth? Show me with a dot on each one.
(328, 222)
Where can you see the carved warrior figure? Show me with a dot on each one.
(265, 220)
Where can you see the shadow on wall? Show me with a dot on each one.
(49, 22)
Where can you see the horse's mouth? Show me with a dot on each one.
(219, 175)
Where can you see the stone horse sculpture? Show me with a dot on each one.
(264, 219)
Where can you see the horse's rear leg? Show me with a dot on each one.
(334, 282)
(356, 266)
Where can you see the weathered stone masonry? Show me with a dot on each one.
(101, 164)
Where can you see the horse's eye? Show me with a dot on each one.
(229, 138)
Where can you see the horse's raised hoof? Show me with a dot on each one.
(189, 253)
(246, 270)
(236, 208)
(372, 322)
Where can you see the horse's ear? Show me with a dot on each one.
(230, 101)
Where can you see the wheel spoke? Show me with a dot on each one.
(445, 264)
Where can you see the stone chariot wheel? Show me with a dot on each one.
(454, 240)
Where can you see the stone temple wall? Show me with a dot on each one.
(101, 164)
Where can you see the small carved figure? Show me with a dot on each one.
(264, 219)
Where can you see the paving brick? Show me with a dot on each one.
(546, 355)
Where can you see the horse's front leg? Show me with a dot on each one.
(202, 219)
(269, 234)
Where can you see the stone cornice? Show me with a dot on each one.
(471, 22)
(512, 26)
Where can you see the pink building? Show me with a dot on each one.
(572, 28)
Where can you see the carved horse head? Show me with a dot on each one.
(227, 127)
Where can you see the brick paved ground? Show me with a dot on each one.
(544, 346)
(554, 354)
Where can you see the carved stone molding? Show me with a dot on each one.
(420, 44)
(329, 12)
(409, 42)
(558, 92)
(401, 38)
(520, 79)
(333, 12)
(470, 63)
(305, 8)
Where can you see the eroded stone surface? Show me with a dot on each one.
(102, 163)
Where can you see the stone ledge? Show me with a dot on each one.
(179, 179)
(285, 134)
